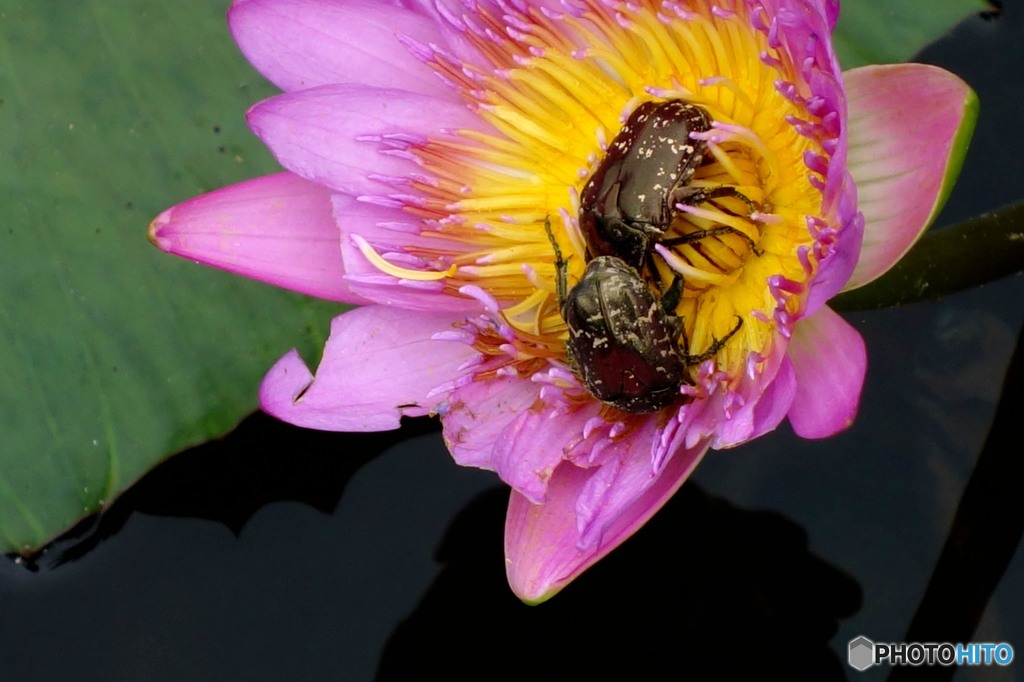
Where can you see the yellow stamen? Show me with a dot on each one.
(395, 270)
(555, 97)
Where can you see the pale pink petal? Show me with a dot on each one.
(300, 44)
(628, 470)
(451, 16)
(379, 364)
(277, 229)
(542, 541)
(390, 227)
(353, 138)
(829, 359)
(909, 129)
(477, 412)
(531, 447)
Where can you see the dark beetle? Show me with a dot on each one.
(629, 201)
(622, 341)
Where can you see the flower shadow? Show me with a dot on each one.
(704, 587)
(228, 480)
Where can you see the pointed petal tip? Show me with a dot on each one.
(278, 229)
(155, 238)
(545, 548)
(534, 594)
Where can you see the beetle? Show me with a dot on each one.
(623, 342)
(629, 201)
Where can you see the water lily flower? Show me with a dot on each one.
(436, 152)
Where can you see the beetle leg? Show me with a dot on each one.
(713, 232)
(670, 297)
(713, 349)
(704, 234)
(691, 196)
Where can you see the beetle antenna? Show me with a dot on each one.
(561, 279)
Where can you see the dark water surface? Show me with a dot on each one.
(284, 554)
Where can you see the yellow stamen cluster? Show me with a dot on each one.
(558, 93)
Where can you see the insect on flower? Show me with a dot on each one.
(630, 200)
(623, 342)
(418, 178)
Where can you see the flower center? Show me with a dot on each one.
(560, 91)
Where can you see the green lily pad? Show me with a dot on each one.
(890, 31)
(114, 355)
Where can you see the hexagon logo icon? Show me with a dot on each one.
(862, 653)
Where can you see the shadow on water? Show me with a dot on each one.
(704, 587)
(230, 479)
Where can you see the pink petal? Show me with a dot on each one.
(277, 229)
(829, 359)
(836, 269)
(531, 447)
(543, 542)
(354, 138)
(910, 125)
(629, 466)
(389, 228)
(451, 16)
(379, 364)
(300, 44)
(475, 415)
(775, 402)
(739, 416)
(832, 12)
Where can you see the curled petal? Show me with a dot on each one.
(542, 541)
(910, 125)
(379, 364)
(351, 137)
(300, 44)
(277, 229)
(631, 465)
(829, 359)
